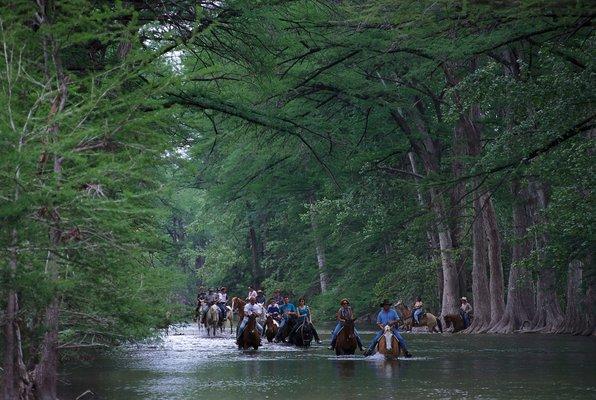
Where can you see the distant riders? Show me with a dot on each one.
(418, 310)
(222, 302)
(465, 311)
(387, 316)
(344, 313)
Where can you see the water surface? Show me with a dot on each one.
(187, 365)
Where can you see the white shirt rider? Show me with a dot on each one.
(250, 309)
(223, 297)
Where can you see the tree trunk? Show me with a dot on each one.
(450, 277)
(428, 149)
(456, 195)
(319, 248)
(575, 320)
(480, 288)
(254, 249)
(590, 276)
(548, 310)
(15, 381)
(497, 302)
(46, 371)
(519, 310)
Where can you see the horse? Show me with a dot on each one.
(301, 335)
(201, 312)
(271, 327)
(432, 323)
(346, 342)
(212, 319)
(250, 336)
(456, 321)
(228, 318)
(388, 344)
(238, 307)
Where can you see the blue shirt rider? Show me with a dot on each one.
(387, 316)
(273, 310)
(304, 312)
(418, 309)
(287, 310)
(344, 313)
(222, 302)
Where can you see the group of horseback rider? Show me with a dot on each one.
(218, 297)
(287, 316)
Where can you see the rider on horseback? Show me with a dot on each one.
(251, 308)
(465, 311)
(289, 313)
(261, 297)
(210, 299)
(278, 297)
(273, 310)
(222, 302)
(251, 293)
(418, 310)
(387, 316)
(344, 313)
(304, 313)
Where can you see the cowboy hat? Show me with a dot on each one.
(342, 300)
(385, 303)
(464, 298)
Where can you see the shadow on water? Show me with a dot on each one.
(188, 365)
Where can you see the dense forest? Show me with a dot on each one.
(370, 150)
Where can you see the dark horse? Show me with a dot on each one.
(271, 327)
(456, 320)
(250, 336)
(346, 339)
(302, 334)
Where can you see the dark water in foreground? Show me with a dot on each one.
(187, 365)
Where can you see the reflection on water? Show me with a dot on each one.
(187, 365)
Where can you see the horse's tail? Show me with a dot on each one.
(440, 324)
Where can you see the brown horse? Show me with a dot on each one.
(271, 327)
(432, 323)
(346, 342)
(454, 320)
(388, 344)
(250, 336)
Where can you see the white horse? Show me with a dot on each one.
(212, 319)
(229, 318)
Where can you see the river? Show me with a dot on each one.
(187, 365)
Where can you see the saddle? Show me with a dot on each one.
(414, 323)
